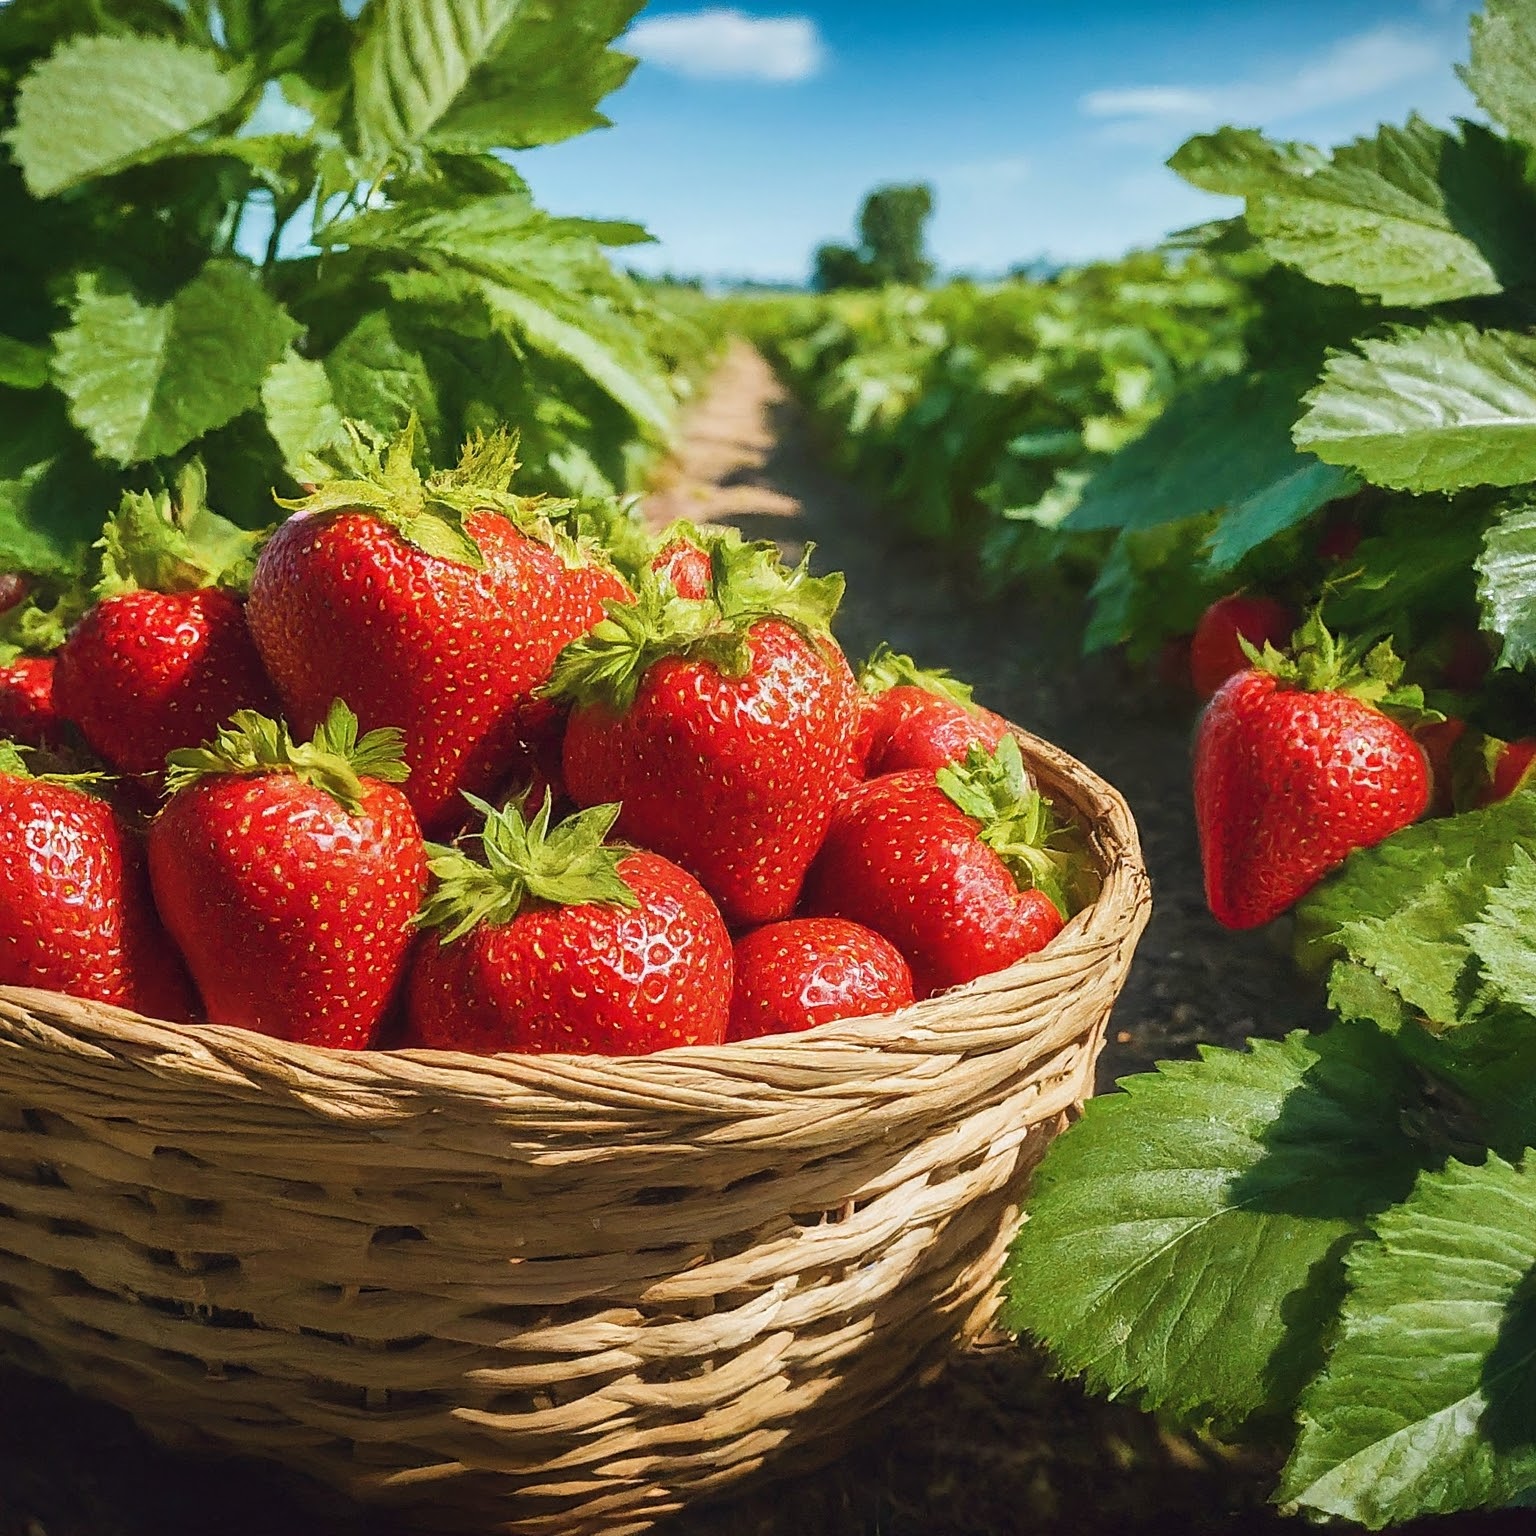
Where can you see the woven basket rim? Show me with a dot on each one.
(88, 1030)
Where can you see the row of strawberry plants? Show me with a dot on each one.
(1329, 1241)
(224, 229)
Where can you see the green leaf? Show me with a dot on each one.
(22, 366)
(1428, 1403)
(1501, 937)
(144, 380)
(543, 279)
(1402, 908)
(1429, 410)
(483, 74)
(1185, 1240)
(379, 376)
(301, 410)
(100, 104)
(1506, 587)
(53, 496)
(1413, 216)
(1277, 506)
(1241, 162)
(1502, 71)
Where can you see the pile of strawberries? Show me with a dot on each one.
(754, 839)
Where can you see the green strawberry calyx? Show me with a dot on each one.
(1317, 661)
(372, 473)
(14, 764)
(749, 585)
(524, 860)
(170, 541)
(886, 669)
(333, 760)
(1017, 822)
(37, 628)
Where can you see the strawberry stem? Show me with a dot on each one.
(334, 760)
(888, 669)
(524, 861)
(1017, 823)
(379, 475)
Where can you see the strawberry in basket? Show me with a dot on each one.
(163, 655)
(558, 942)
(290, 875)
(913, 717)
(432, 605)
(724, 725)
(75, 909)
(965, 870)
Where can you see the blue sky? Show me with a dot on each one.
(749, 134)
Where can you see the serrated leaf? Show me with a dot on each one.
(1502, 71)
(379, 376)
(1506, 586)
(1402, 907)
(1184, 1240)
(1413, 216)
(100, 104)
(1428, 1404)
(1240, 162)
(53, 496)
(1501, 938)
(1429, 410)
(22, 366)
(482, 74)
(301, 410)
(144, 380)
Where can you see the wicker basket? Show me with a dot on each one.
(557, 1294)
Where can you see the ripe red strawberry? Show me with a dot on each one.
(1296, 766)
(685, 564)
(290, 876)
(27, 711)
(1441, 741)
(75, 908)
(13, 590)
(964, 870)
(163, 656)
(1510, 767)
(724, 726)
(435, 607)
(559, 943)
(1216, 651)
(917, 718)
(811, 970)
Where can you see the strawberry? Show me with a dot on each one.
(75, 908)
(1216, 651)
(685, 564)
(964, 870)
(1296, 766)
(917, 718)
(811, 970)
(1440, 741)
(1339, 540)
(433, 606)
(290, 876)
(1510, 764)
(560, 943)
(724, 725)
(13, 590)
(27, 711)
(163, 655)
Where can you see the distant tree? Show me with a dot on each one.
(891, 225)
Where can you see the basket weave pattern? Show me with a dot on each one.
(555, 1294)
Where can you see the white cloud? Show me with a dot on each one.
(722, 44)
(1353, 68)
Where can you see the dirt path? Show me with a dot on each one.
(747, 458)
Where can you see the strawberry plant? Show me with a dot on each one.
(224, 228)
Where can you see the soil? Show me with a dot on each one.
(995, 1446)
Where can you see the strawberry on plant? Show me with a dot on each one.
(1509, 765)
(683, 562)
(724, 726)
(1297, 764)
(35, 618)
(1216, 651)
(163, 655)
(965, 870)
(435, 606)
(290, 875)
(13, 590)
(811, 970)
(75, 909)
(559, 942)
(915, 717)
(1440, 741)
(28, 714)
